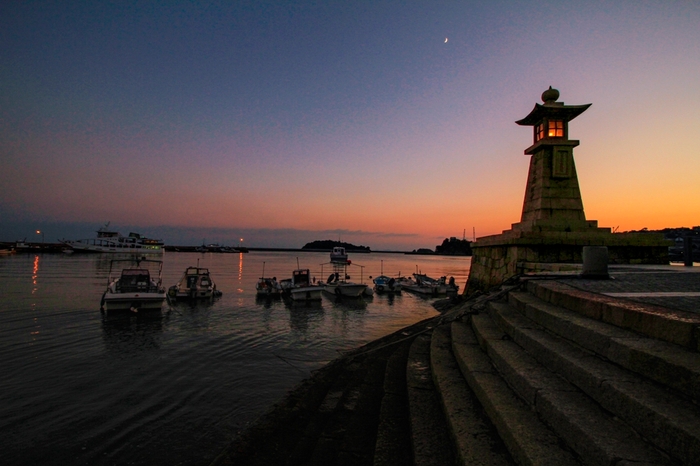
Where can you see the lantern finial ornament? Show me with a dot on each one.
(550, 95)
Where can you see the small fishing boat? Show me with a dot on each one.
(196, 283)
(300, 287)
(338, 286)
(339, 255)
(426, 285)
(267, 286)
(384, 284)
(136, 289)
(337, 283)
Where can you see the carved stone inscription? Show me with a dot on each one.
(562, 162)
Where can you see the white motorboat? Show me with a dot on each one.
(339, 255)
(300, 288)
(340, 287)
(110, 241)
(337, 283)
(196, 283)
(136, 289)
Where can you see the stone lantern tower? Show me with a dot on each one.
(552, 197)
(553, 228)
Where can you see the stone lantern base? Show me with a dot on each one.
(499, 257)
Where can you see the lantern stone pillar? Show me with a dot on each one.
(553, 227)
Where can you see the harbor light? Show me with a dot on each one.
(39, 232)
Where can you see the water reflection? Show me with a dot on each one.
(130, 334)
(390, 297)
(35, 273)
(193, 314)
(301, 314)
(267, 300)
(348, 302)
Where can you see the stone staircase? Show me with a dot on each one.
(536, 375)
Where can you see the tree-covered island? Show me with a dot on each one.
(328, 245)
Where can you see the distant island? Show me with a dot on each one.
(449, 247)
(328, 245)
(454, 247)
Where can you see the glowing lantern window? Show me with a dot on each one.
(555, 129)
(539, 132)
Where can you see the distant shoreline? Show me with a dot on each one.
(58, 247)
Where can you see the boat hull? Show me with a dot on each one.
(112, 248)
(352, 290)
(306, 293)
(193, 294)
(134, 302)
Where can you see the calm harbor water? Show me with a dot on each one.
(81, 387)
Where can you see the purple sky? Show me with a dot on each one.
(287, 122)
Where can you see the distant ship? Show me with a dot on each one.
(110, 241)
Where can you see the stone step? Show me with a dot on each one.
(430, 436)
(664, 362)
(393, 444)
(359, 441)
(349, 432)
(673, 326)
(474, 437)
(528, 440)
(667, 420)
(596, 436)
(316, 423)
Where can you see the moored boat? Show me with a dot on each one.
(300, 286)
(196, 283)
(384, 284)
(268, 287)
(111, 241)
(341, 287)
(136, 289)
(337, 283)
(339, 255)
(426, 285)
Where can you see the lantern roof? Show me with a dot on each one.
(552, 109)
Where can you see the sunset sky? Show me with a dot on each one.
(389, 124)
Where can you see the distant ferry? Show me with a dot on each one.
(110, 241)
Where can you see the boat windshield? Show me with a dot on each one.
(134, 280)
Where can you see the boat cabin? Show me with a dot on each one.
(338, 254)
(133, 280)
(301, 277)
(197, 275)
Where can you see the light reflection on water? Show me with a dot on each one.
(172, 387)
